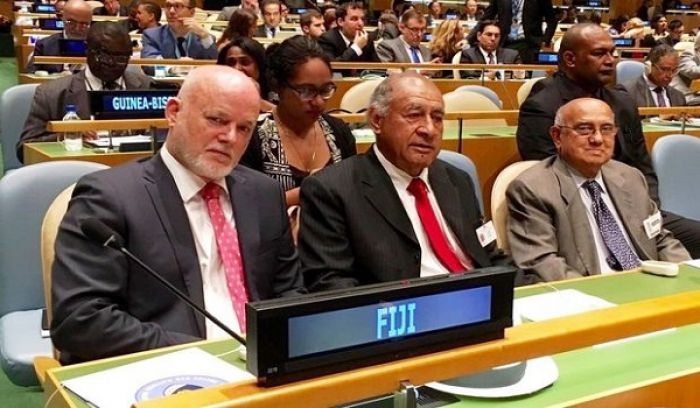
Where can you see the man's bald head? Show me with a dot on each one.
(77, 16)
(586, 56)
(584, 134)
(211, 120)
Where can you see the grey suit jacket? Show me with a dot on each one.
(394, 51)
(51, 98)
(105, 305)
(688, 70)
(641, 93)
(549, 233)
(355, 231)
(473, 55)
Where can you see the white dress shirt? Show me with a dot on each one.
(652, 87)
(351, 44)
(217, 299)
(93, 83)
(430, 264)
(601, 249)
(408, 50)
(501, 73)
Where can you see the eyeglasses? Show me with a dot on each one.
(308, 92)
(176, 6)
(586, 130)
(665, 70)
(74, 23)
(109, 59)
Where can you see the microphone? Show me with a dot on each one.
(100, 232)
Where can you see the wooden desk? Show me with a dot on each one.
(642, 372)
(53, 151)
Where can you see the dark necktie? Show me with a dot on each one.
(660, 100)
(414, 55)
(621, 257)
(436, 236)
(111, 86)
(492, 60)
(229, 251)
(273, 31)
(181, 46)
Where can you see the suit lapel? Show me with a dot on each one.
(380, 192)
(446, 194)
(581, 229)
(172, 216)
(621, 198)
(245, 212)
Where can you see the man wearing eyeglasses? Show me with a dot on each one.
(108, 52)
(580, 213)
(407, 48)
(182, 38)
(652, 88)
(77, 17)
(586, 69)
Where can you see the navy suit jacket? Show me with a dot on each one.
(48, 46)
(105, 305)
(161, 42)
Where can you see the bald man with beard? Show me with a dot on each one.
(215, 230)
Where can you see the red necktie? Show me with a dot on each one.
(229, 251)
(436, 236)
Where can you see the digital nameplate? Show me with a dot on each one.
(129, 104)
(375, 323)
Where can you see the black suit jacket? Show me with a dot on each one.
(334, 46)
(642, 95)
(355, 231)
(473, 55)
(48, 46)
(51, 98)
(104, 305)
(534, 11)
(537, 116)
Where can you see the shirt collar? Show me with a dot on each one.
(347, 41)
(486, 54)
(398, 177)
(405, 44)
(188, 184)
(652, 86)
(579, 179)
(96, 84)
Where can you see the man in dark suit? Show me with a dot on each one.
(487, 51)
(77, 17)
(406, 48)
(182, 37)
(271, 13)
(395, 212)
(586, 68)
(349, 41)
(217, 231)
(522, 30)
(652, 88)
(111, 8)
(108, 52)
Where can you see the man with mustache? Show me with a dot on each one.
(580, 213)
(395, 212)
(586, 68)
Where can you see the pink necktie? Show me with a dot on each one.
(436, 236)
(229, 251)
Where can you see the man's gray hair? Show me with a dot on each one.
(381, 98)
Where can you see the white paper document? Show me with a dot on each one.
(117, 140)
(558, 304)
(156, 377)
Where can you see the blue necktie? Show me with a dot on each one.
(415, 56)
(622, 257)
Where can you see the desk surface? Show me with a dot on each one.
(585, 374)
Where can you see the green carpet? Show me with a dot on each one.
(12, 396)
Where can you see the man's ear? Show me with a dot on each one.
(375, 120)
(172, 108)
(569, 59)
(555, 133)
